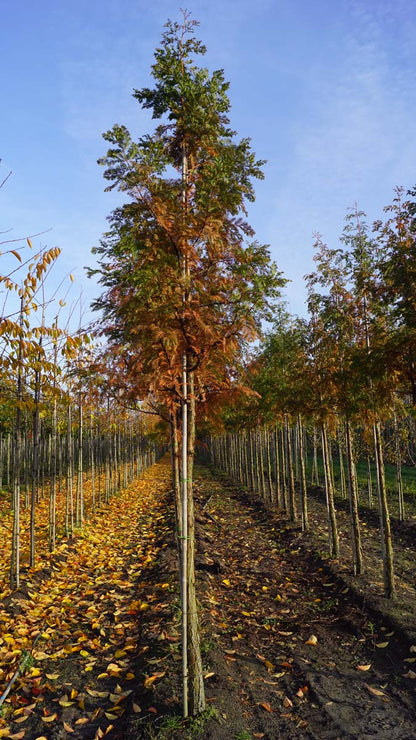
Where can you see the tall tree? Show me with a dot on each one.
(185, 291)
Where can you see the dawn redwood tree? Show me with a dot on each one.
(185, 289)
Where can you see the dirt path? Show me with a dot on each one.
(79, 621)
(293, 656)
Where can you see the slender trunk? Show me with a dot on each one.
(399, 470)
(290, 472)
(388, 564)
(15, 558)
(353, 496)
(196, 678)
(332, 518)
(278, 490)
(35, 465)
(175, 460)
(303, 488)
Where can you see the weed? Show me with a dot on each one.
(197, 724)
(27, 661)
(243, 735)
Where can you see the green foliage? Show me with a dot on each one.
(179, 267)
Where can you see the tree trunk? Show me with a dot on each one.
(332, 518)
(196, 678)
(353, 496)
(388, 563)
(303, 488)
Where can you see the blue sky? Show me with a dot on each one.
(326, 91)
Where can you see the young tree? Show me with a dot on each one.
(184, 289)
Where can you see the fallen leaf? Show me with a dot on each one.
(52, 676)
(381, 644)
(136, 708)
(68, 727)
(364, 667)
(113, 669)
(374, 691)
(287, 702)
(266, 706)
(82, 721)
(50, 718)
(149, 680)
(313, 640)
(409, 674)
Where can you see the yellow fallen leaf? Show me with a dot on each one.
(226, 582)
(113, 669)
(266, 706)
(313, 640)
(129, 676)
(136, 708)
(68, 727)
(287, 702)
(409, 674)
(364, 667)
(381, 644)
(52, 676)
(111, 716)
(35, 672)
(374, 691)
(50, 718)
(82, 721)
(149, 680)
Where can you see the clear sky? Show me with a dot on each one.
(325, 89)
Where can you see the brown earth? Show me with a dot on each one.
(292, 646)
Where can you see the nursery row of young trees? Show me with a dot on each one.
(63, 443)
(185, 290)
(347, 372)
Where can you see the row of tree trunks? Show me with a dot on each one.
(62, 463)
(273, 463)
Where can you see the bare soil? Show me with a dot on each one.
(293, 646)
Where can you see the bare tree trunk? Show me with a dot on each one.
(303, 488)
(290, 473)
(388, 562)
(196, 678)
(332, 518)
(353, 496)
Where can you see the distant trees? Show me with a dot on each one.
(348, 370)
